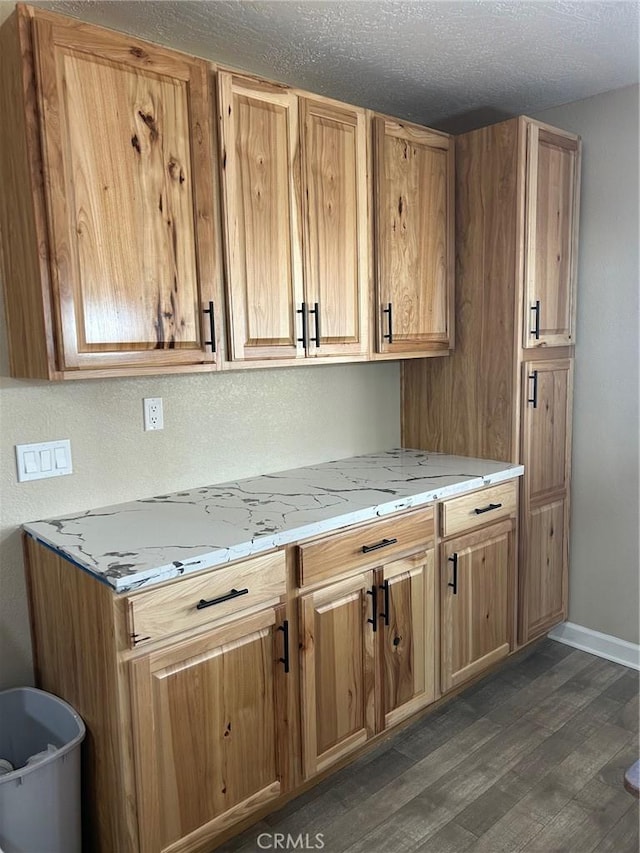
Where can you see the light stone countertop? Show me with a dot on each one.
(140, 543)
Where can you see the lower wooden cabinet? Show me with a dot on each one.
(368, 656)
(475, 602)
(337, 670)
(207, 734)
(408, 634)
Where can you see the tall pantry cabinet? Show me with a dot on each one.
(506, 390)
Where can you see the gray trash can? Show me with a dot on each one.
(39, 800)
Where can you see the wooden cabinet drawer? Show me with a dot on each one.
(369, 545)
(197, 601)
(479, 508)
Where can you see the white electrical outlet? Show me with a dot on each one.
(153, 416)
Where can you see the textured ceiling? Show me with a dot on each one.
(442, 63)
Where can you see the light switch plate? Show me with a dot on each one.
(46, 459)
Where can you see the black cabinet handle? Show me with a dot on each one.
(212, 327)
(389, 310)
(285, 630)
(533, 399)
(454, 559)
(487, 508)
(382, 544)
(316, 312)
(304, 340)
(536, 320)
(235, 593)
(373, 592)
(386, 614)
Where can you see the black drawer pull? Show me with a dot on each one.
(285, 630)
(382, 544)
(389, 311)
(533, 399)
(304, 340)
(235, 593)
(316, 312)
(487, 508)
(212, 327)
(454, 584)
(385, 588)
(373, 592)
(536, 322)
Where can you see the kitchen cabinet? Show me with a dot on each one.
(407, 632)
(517, 197)
(337, 670)
(208, 746)
(108, 207)
(297, 273)
(211, 698)
(260, 176)
(368, 641)
(552, 207)
(477, 581)
(474, 615)
(333, 150)
(414, 238)
(546, 453)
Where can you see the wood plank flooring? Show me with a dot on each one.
(530, 759)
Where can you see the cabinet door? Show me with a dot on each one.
(206, 718)
(408, 632)
(544, 568)
(337, 659)
(546, 427)
(475, 578)
(259, 141)
(128, 173)
(551, 232)
(546, 454)
(414, 237)
(334, 173)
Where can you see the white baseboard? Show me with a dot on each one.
(602, 645)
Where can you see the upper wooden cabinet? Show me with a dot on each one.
(336, 247)
(297, 270)
(551, 229)
(414, 238)
(259, 162)
(123, 223)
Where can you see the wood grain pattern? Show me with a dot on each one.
(546, 428)
(474, 616)
(337, 676)
(23, 224)
(127, 159)
(168, 609)
(334, 173)
(260, 180)
(408, 640)
(553, 182)
(544, 569)
(459, 514)
(188, 777)
(74, 635)
(476, 385)
(413, 186)
(339, 553)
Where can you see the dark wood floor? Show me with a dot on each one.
(531, 759)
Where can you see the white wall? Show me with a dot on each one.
(604, 527)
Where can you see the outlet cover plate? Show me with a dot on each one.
(44, 459)
(153, 414)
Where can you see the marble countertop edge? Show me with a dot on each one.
(144, 578)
